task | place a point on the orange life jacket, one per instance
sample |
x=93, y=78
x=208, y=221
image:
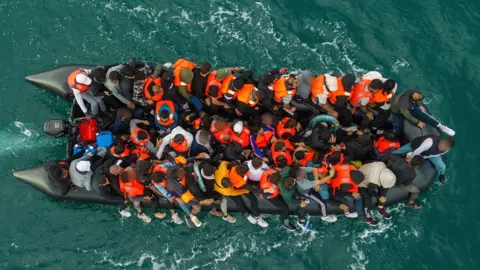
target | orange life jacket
x=280, y=90
x=263, y=140
x=308, y=157
x=317, y=88
x=134, y=139
x=211, y=81
x=148, y=92
x=343, y=177
x=159, y=105
x=226, y=87
x=281, y=129
x=177, y=68
x=265, y=184
x=132, y=188
x=245, y=95
x=244, y=138
x=287, y=154
x=180, y=147
x=125, y=152
x=72, y=81
x=222, y=136
x=332, y=97
x=237, y=180
x=381, y=97
x=142, y=155
x=361, y=91
x=382, y=144
x=163, y=169
x=342, y=157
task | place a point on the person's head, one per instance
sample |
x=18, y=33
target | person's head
x=274, y=178
x=280, y=146
x=164, y=116
x=267, y=118
x=291, y=123
x=416, y=97
x=83, y=166
x=179, y=173
x=119, y=148
x=259, y=95
x=289, y=183
x=238, y=83
x=256, y=129
x=157, y=177
x=178, y=138
x=208, y=170
x=389, y=86
x=157, y=89
x=189, y=117
x=445, y=144
x=292, y=81
x=142, y=135
x=99, y=75
x=237, y=148
x=114, y=76
x=186, y=75
x=203, y=136
x=297, y=172
x=128, y=71
x=125, y=177
x=391, y=136
x=334, y=158
x=144, y=167
x=167, y=78
x=242, y=169
x=299, y=155
x=281, y=162
x=268, y=79
x=115, y=170
x=222, y=74
x=417, y=161
x=309, y=77
x=257, y=163
x=226, y=183
x=220, y=125
x=363, y=140
x=348, y=82
x=375, y=85
x=357, y=176
x=60, y=172
x=237, y=126
x=387, y=178
x=205, y=68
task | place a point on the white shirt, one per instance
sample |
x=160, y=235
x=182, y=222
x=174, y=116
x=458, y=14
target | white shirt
x=254, y=174
x=168, y=139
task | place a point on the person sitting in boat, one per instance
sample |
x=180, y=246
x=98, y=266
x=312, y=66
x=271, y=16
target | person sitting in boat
x=183, y=82
x=324, y=88
x=133, y=191
x=105, y=180
x=339, y=99
x=408, y=105
x=362, y=96
x=360, y=149
x=260, y=140
x=431, y=147
x=221, y=131
x=179, y=141
x=141, y=137
x=166, y=117
x=80, y=172
x=119, y=151
x=304, y=88
x=79, y=82
x=281, y=153
x=121, y=125
x=235, y=152
x=201, y=144
x=404, y=170
x=213, y=91
x=378, y=180
x=247, y=101
x=288, y=128
x=386, y=144
x=304, y=156
x=241, y=133
x=200, y=79
x=284, y=90
x=119, y=85
x=59, y=177
x=270, y=192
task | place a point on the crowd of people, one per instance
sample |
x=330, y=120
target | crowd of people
x=191, y=136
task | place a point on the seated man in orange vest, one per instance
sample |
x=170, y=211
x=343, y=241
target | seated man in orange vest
x=165, y=115
x=141, y=137
x=247, y=101
x=362, y=96
x=178, y=141
x=284, y=90
x=217, y=86
x=133, y=191
x=79, y=82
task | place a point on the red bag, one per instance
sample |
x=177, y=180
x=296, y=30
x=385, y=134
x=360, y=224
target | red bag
x=87, y=130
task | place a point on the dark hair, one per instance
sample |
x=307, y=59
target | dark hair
x=119, y=148
x=260, y=95
x=274, y=177
x=376, y=84
x=242, y=169
x=99, y=74
x=450, y=141
x=205, y=67
x=294, y=170
x=389, y=85
x=418, y=92
x=348, y=81
x=237, y=148
x=114, y=76
x=158, y=176
x=178, y=138
x=417, y=161
x=255, y=128
x=363, y=140
x=238, y=83
x=268, y=79
x=164, y=114
x=208, y=169
x=226, y=183
x=279, y=145
x=257, y=163
x=124, y=177
x=168, y=77
x=291, y=123
x=391, y=136
x=142, y=135
x=281, y=162
x=334, y=158
x=289, y=182
x=128, y=71
x=300, y=154
x=291, y=81
x=57, y=172
x=191, y=115
x=206, y=121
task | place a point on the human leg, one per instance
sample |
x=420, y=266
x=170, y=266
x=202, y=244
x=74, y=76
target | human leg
x=91, y=100
x=282, y=205
x=397, y=121
x=439, y=164
x=407, y=148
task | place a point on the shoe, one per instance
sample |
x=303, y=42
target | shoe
x=176, y=219
x=168, y=65
x=384, y=214
x=305, y=225
x=160, y=215
x=189, y=222
x=369, y=220
x=380, y=132
x=196, y=221
x=216, y=213
x=252, y=219
x=261, y=222
x=289, y=227
x=144, y=217
x=441, y=179
x=125, y=213
x=450, y=132
x=414, y=206
x=229, y=219
x=330, y=218
x=351, y=215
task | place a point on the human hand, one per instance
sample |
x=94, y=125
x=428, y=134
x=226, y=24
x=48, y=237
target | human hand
x=130, y=105
x=238, y=112
x=370, y=115
x=420, y=124
x=88, y=115
x=356, y=195
x=303, y=204
x=334, y=114
x=382, y=199
x=333, y=139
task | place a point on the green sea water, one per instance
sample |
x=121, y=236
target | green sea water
x=430, y=45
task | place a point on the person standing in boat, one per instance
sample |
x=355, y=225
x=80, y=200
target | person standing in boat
x=79, y=82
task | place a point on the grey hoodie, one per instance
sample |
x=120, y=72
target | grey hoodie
x=80, y=179
x=115, y=88
x=304, y=88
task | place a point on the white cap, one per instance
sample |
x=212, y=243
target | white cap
x=83, y=79
x=83, y=166
x=238, y=127
x=387, y=178
x=331, y=83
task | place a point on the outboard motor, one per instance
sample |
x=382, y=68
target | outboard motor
x=57, y=128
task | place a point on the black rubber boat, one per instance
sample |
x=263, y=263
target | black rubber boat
x=54, y=80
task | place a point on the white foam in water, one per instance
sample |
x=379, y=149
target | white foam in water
x=401, y=63
x=23, y=129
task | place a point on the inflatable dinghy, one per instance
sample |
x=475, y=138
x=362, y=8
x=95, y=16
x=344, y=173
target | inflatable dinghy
x=54, y=80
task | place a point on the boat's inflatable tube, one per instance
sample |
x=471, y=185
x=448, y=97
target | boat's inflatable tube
x=332, y=121
x=54, y=80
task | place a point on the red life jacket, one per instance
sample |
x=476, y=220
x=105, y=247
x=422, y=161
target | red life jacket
x=280, y=90
x=196, y=123
x=287, y=154
x=382, y=145
x=343, y=177
x=158, y=108
x=265, y=184
x=177, y=68
x=148, y=92
x=361, y=91
x=211, y=81
x=282, y=130
x=125, y=152
x=163, y=169
x=332, y=98
x=180, y=147
x=135, y=140
x=132, y=188
x=263, y=140
x=237, y=180
x=222, y=136
x=72, y=81
x=243, y=139
x=142, y=155
x=308, y=157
